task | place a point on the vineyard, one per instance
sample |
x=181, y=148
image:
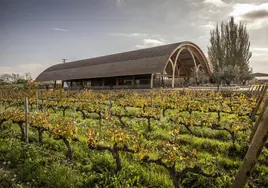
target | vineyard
x=159, y=138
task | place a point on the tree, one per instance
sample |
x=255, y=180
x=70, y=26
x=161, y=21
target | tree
x=11, y=79
x=229, y=53
x=198, y=75
x=6, y=78
x=245, y=75
x=15, y=77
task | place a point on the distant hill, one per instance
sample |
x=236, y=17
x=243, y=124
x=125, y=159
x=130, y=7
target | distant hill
x=259, y=74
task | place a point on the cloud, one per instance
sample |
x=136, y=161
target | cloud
x=259, y=59
x=255, y=16
x=204, y=37
x=207, y=27
x=217, y=3
x=120, y=2
x=59, y=29
x=261, y=50
x=243, y=10
x=259, y=53
x=128, y=34
x=149, y=42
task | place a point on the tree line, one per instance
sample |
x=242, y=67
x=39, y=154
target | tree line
x=6, y=79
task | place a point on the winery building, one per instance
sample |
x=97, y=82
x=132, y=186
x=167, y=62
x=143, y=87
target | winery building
x=162, y=66
x=260, y=78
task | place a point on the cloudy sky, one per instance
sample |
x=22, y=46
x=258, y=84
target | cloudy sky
x=35, y=34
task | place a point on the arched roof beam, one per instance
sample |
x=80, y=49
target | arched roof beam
x=195, y=50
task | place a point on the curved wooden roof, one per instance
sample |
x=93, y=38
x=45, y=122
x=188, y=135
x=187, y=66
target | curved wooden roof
x=138, y=62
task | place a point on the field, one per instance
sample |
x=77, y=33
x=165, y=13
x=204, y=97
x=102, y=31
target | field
x=127, y=139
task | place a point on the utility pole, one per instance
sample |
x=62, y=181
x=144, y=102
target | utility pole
x=64, y=60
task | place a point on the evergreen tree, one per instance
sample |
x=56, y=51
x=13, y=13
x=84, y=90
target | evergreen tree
x=229, y=53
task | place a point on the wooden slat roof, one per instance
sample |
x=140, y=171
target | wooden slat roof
x=144, y=61
x=259, y=74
